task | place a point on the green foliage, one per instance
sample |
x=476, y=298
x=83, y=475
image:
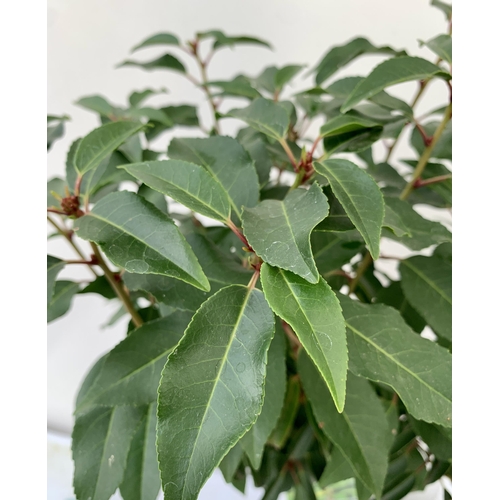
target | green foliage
x=269, y=341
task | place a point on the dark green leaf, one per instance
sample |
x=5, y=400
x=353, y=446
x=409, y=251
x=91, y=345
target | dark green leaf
x=100, y=456
x=231, y=461
x=279, y=231
x=166, y=61
x=135, y=235
x=213, y=380
x=304, y=489
x=360, y=431
x=100, y=286
x=383, y=348
x=154, y=197
x=226, y=160
x=60, y=301
x=426, y=282
x=240, y=86
x=135, y=98
x=100, y=105
x=266, y=116
x=186, y=183
x=441, y=46
x=314, y=313
x=391, y=72
x=183, y=115
x=132, y=149
x=438, y=438
x=360, y=197
x=54, y=266
x=331, y=251
x=337, y=469
x=255, y=143
x=343, y=124
x=158, y=39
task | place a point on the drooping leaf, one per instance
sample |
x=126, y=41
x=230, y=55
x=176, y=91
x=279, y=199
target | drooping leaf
x=186, y=183
x=360, y=432
x=166, y=61
x=383, y=348
x=60, y=301
x=213, y=380
x=444, y=7
x=54, y=266
x=131, y=371
x=101, y=142
x=266, y=116
x=55, y=131
x=390, y=72
x=227, y=161
x=360, y=197
x=426, y=282
x=135, y=235
x=158, y=39
x=441, y=45
x=255, y=143
x=279, y=231
x=254, y=440
x=100, y=456
x=314, y=313
x=183, y=116
x=154, y=197
x=443, y=147
x=141, y=480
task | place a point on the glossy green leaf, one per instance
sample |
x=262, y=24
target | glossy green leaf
x=443, y=147
x=186, y=183
x=266, y=116
x=211, y=390
x=60, y=301
x=391, y=72
x=254, y=440
x=141, y=480
x=441, y=45
x=135, y=235
x=279, y=231
x=101, y=142
x=360, y=432
x=426, y=282
x=227, y=161
x=158, y=39
x=255, y=143
x=131, y=371
x=100, y=442
x=360, y=197
x=166, y=61
x=383, y=348
x=346, y=123
x=341, y=55
x=313, y=311
x=54, y=267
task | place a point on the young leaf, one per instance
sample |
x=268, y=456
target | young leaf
x=141, y=480
x=391, y=72
x=314, y=313
x=342, y=55
x=101, y=142
x=254, y=440
x=213, y=380
x=266, y=116
x=441, y=46
x=166, y=61
x=226, y=160
x=426, y=282
x=279, y=231
x=383, y=348
x=60, y=302
x=360, y=432
x=100, y=456
x=158, y=39
x=131, y=371
x=186, y=183
x=135, y=235
x=360, y=197
x=54, y=266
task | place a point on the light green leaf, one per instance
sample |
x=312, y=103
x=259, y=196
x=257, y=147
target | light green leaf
x=158, y=39
x=131, y=371
x=141, y=480
x=166, y=61
x=383, y=348
x=186, y=183
x=227, y=161
x=360, y=432
x=101, y=142
x=279, y=231
x=254, y=440
x=426, y=282
x=441, y=45
x=136, y=236
x=100, y=443
x=314, y=313
x=391, y=72
x=266, y=116
x=213, y=380
x=360, y=197
x=54, y=266
x=60, y=302
x=340, y=56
